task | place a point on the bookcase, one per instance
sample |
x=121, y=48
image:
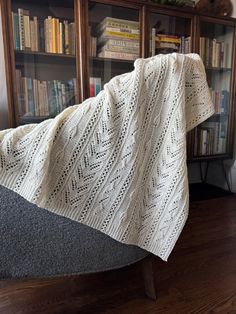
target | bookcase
x=61, y=52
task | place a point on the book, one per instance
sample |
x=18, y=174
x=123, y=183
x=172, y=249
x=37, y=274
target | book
x=224, y=102
x=26, y=24
x=118, y=23
x=97, y=85
x=16, y=31
x=50, y=35
x=168, y=38
x=119, y=29
x=116, y=34
x=91, y=87
x=21, y=28
x=115, y=48
x=118, y=55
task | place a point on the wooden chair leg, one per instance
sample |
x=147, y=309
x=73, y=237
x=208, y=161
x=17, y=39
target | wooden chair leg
x=149, y=277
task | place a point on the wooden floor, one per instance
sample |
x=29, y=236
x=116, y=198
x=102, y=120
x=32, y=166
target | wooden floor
x=200, y=276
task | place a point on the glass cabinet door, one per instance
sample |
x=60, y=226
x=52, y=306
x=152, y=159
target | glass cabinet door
x=215, y=48
x=45, y=62
x=169, y=34
x=114, y=43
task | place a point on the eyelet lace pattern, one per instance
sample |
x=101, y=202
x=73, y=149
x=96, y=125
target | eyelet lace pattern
x=117, y=162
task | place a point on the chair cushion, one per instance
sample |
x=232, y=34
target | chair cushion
x=37, y=243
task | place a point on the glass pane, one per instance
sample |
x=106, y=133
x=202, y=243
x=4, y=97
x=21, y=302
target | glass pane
x=169, y=34
x=216, y=51
x=114, y=43
x=44, y=42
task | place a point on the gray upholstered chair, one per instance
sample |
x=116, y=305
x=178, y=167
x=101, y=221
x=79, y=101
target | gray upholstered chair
x=37, y=243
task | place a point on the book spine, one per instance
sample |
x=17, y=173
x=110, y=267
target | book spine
x=76, y=89
x=118, y=23
x=60, y=103
x=120, y=49
x=91, y=87
x=119, y=29
x=63, y=94
x=57, y=36
x=36, y=97
x=46, y=102
x=16, y=34
x=73, y=38
x=153, y=44
x=21, y=29
x=50, y=34
x=32, y=36
x=97, y=85
x=168, y=45
x=42, y=33
x=66, y=37
x=123, y=43
x=213, y=53
x=36, y=31
x=20, y=94
x=218, y=54
x=119, y=35
x=53, y=26
x=27, y=29
x=118, y=55
x=46, y=35
x=31, y=106
x=63, y=38
x=203, y=49
x=60, y=38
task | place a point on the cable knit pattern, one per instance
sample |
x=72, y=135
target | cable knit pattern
x=117, y=162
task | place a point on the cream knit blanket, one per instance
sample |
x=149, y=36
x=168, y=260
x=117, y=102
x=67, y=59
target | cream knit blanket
x=117, y=162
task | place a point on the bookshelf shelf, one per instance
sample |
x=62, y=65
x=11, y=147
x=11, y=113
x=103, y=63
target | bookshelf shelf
x=45, y=54
x=93, y=33
x=102, y=60
x=27, y=120
x=37, y=58
x=218, y=69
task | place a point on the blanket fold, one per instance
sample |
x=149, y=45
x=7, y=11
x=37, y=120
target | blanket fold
x=117, y=162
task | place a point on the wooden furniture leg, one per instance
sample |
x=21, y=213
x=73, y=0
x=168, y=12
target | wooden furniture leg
x=149, y=277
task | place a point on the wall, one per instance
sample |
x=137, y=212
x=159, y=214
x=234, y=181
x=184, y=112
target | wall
x=3, y=88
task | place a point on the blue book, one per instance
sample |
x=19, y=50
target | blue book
x=97, y=85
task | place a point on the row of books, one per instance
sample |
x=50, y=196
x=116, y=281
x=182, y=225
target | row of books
x=165, y=43
x=95, y=86
x=210, y=138
x=220, y=100
x=38, y=98
x=213, y=52
x=45, y=35
x=118, y=39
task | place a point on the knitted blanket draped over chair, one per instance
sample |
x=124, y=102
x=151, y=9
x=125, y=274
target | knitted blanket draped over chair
x=117, y=162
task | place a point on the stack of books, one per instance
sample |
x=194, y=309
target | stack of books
x=118, y=39
x=165, y=43
x=44, y=98
x=211, y=138
x=45, y=35
x=213, y=52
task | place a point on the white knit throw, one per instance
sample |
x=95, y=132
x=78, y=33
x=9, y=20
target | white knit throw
x=117, y=162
